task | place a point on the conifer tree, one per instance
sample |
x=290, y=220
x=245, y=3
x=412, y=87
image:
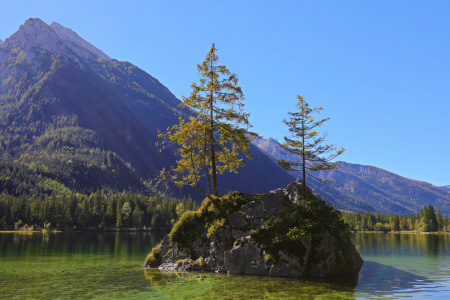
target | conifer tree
x=306, y=144
x=211, y=139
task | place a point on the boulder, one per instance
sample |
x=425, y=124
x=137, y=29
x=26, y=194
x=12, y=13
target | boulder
x=253, y=210
x=295, y=192
x=273, y=202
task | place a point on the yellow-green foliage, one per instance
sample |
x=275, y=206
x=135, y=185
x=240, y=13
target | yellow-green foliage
x=186, y=229
x=179, y=262
x=201, y=261
x=211, y=216
x=215, y=208
x=212, y=229
x=219, y=124
x=154, y=257
x=269, y=258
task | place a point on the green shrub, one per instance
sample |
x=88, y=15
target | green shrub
x=153, y=259
x=295, y=222
x=215, y=208
x=186, y=229
x=201, y=262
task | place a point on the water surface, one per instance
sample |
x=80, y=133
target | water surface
x=108, y=266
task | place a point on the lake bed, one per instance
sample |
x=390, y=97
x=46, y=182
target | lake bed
x=89, y=265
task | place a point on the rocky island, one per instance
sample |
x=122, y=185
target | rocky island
x=276, y=234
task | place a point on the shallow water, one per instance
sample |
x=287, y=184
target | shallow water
x=108, y=266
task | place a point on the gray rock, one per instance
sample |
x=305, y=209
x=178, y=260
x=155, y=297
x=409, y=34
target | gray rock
x=295, y=192
x=253, y=210
x=273, y=202
x=239, y=259
x=237, y=220
x=255, y=223
x=288, y=267
x=238, y=233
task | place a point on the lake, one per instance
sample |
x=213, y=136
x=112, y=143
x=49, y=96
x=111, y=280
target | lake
x=88, y=265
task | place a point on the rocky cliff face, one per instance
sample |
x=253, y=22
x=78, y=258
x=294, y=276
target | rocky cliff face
x=277, y=234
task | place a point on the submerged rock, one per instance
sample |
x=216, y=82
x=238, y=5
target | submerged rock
x=278, y=234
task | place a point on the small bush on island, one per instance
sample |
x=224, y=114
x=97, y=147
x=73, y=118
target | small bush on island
x=154, y=257
x=211, y=216
x=309, y=218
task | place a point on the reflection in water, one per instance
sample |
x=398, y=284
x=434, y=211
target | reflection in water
x=406, y=244
x=88, y=265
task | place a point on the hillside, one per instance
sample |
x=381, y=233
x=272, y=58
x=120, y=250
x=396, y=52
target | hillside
x=365, y=187
x=445, y=188
x=70, y=112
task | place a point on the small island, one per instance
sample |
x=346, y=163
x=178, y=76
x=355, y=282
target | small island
x=277, y=234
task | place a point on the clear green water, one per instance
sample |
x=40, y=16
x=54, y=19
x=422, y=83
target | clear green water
x=108, y=266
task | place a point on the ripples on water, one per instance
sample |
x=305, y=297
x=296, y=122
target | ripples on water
x=107, y=266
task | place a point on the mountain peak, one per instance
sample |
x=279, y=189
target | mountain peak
x=35, y=35
x=71, y=36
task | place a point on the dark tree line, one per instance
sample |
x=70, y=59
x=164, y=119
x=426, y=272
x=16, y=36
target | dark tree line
x=98, y=210
x=426, y=220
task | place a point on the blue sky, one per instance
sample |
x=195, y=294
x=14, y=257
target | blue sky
x=380, y=69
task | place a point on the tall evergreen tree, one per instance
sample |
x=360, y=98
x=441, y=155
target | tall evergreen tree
x=209, y=142
x=304, y=142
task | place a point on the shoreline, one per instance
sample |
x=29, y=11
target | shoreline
x=84, y=230
x=403, y=232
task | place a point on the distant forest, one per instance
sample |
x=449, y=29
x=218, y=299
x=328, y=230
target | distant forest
x=426, y=220
x=97, y=211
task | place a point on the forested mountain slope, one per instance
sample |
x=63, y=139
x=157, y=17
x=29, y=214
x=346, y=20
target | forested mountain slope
x=70, y=113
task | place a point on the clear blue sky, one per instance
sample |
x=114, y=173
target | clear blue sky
x=380, y=69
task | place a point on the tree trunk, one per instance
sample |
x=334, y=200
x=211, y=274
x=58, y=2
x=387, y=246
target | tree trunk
x=303, y=158
x=213, y=153
x=213, y=161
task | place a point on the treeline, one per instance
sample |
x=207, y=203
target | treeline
x=426, y=220
x=96, y=211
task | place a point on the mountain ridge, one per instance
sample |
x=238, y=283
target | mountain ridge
x=445, y=188
x=382, y=190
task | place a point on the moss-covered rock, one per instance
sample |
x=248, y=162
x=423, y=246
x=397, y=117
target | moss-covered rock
x=277, y=234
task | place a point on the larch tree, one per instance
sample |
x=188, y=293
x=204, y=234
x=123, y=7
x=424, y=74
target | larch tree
x=212, y=139
x=306, y=144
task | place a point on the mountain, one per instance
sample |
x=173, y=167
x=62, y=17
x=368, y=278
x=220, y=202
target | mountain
x=445, y=188
x=368, y=186
x=329, y=193
x=1, y=42
x=71, y=114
